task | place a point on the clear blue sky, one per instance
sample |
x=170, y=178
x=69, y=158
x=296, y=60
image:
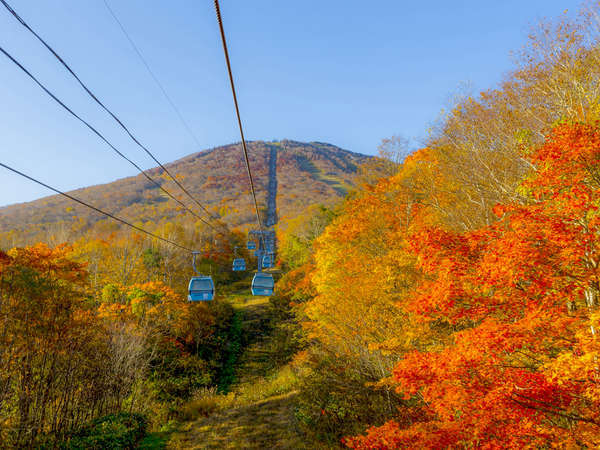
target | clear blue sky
x=346, y=72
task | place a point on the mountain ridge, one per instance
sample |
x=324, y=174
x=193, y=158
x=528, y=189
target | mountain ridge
x=307, y=173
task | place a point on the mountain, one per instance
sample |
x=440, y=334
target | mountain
x=298, y=174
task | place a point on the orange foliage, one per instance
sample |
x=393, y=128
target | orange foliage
x=520, y=298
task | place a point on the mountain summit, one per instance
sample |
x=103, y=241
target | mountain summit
x=301, y=174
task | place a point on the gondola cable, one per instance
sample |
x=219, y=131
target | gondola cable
x=262, y=283
x=81, y=202
x=102, y=105
x=237, y=111
x=97, y=133
x=153, y=76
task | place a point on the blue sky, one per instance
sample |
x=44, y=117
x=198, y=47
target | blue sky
x=346, y=72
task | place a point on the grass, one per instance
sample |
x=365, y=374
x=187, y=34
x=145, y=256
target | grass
x=333, y=181
x=262, y=424
x=154, y=441
x=158, y=440
x=227, y=375
x=259, y=410
x=210, y=401
x=284, y=381
x=204, y=403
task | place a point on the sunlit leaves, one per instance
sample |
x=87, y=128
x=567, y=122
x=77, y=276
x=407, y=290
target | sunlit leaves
x=520, y=298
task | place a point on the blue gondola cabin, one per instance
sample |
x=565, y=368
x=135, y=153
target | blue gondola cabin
x=201, y=289
x=262, y=284
x=239, y=264
x=267, y=261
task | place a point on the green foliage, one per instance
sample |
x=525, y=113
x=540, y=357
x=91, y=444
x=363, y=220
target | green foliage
x=216, y=345
x=152, y=259
x=138, y=293
x=287, y=337
x=336, y=400
x=153, y=441
x=176, y=376
x=227, y=373
x=157, y=440
x=115, y=431
x=181, y=369
x=296, y=242
x=110, y=293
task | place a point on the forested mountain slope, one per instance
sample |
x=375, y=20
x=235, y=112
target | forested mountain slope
x=307, y=173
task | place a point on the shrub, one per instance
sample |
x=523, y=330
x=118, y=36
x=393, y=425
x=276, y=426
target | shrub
x=115, y=431
x=205, y=402
x=336, y=400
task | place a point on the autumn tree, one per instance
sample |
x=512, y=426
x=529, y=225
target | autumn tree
x=53, y=349
x=520, y=298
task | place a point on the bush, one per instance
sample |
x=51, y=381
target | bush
x=115, y=431
x=281, y=382
x=336, y=400
x=205, y=402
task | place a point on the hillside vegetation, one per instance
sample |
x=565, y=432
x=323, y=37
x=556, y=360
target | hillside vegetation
x=307, y=173
x=99, y=344
x=455, y=303
x=451, y=300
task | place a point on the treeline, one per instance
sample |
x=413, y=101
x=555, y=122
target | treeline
x=454, y=304
x=101, y=330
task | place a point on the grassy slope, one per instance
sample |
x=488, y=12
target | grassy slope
x=263, y=424
x=258, y=412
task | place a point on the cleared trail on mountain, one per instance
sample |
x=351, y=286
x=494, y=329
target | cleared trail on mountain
x=272, y=189
x=261, y=410
x=256, y=409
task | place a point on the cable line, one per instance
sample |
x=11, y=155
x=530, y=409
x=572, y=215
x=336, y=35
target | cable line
x=237, y=111
x=81, y=202
x=97, y=133
x=93, y=96
x=154, y=77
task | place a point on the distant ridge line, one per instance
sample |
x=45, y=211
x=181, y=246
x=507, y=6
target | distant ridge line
x=215, y=173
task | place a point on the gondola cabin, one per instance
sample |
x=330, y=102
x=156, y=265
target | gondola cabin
x=239, y=264
x=267, y=261
x=201, y=289
x=263, y=284
x=251, y=245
